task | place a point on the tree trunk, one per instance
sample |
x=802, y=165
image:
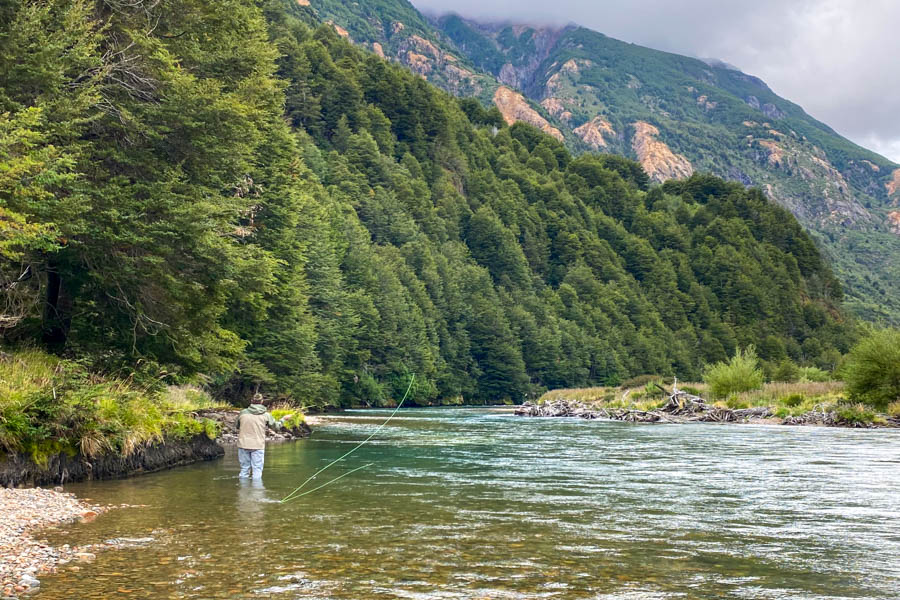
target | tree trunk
x=57, y=312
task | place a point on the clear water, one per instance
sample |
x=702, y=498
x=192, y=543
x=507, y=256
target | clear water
x=476, y=503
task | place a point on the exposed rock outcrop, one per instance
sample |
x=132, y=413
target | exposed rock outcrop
x=834, y=200
x=656, y=157
x=768, y=109
x=340, y=30
x=774, y=152
x=893, y=220
x=893, y=186
x=418, y=63
x=556, y=108
x=508, y=75
x=428, y=60
x=871, y=165
x=514, y=107
x=772, y=111
x=595, y=132
x=705, y=103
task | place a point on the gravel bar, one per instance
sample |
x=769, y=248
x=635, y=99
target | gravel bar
x=23, y=559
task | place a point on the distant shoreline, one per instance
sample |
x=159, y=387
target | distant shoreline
x=793, y=408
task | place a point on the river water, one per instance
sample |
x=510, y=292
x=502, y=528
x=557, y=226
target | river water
x=477, y=503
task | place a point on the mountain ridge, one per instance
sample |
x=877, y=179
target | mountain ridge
x=607, y=95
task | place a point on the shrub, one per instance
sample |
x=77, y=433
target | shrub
x=793, y=400
x=640, y=381
x=855, y=414
x=786, y=371
x=893, y=409
x=814, y=374
x=740, y=374
x=654, y=390
x=872, y=370
x=293, y=418
x=735, y=402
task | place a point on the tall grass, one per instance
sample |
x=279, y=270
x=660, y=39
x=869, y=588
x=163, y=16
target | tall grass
x=48, y=405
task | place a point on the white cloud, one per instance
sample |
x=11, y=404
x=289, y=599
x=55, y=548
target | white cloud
x=835, y=58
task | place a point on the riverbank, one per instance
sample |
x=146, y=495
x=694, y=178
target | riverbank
x=17, y=470
x=21, y=470
x=60, y=422
x=23, y=557
x=785, y=404
x=297, y=425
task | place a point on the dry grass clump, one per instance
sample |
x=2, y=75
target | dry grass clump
x=893, y=409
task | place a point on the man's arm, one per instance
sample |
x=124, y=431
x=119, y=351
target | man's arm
x=271, y=422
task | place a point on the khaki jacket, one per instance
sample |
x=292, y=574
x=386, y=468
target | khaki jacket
x=251, y=424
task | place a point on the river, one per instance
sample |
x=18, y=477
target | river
x=477, y=503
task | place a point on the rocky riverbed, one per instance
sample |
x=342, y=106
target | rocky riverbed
x=23, y=556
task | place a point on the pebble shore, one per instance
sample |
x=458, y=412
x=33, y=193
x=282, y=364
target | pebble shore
x=23, y=559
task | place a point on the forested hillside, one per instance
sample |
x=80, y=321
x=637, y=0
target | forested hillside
x=217, y=192
x=674, y=114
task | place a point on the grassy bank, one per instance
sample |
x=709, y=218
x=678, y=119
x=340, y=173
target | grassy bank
x=50, y=406
x=785, y=400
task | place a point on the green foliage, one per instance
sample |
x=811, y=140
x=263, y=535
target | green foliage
x=813, y=374
x=740, y=374
x=262, y=206
x=48, y=406
x=291, y=418
x=640, y=381
x=793, y=400
x=786, y=371
x=872, y=369
x=856, y=414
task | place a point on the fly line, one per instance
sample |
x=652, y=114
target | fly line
x=296, y=493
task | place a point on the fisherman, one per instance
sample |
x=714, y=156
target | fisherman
x=251, y=424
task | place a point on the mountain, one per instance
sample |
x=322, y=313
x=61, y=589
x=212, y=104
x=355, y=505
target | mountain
x=235, y=198
x=674, y=114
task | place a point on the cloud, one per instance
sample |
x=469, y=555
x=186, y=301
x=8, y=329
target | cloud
x=835, y=58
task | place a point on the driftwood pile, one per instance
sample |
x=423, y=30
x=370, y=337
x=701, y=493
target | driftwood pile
x=681, y=407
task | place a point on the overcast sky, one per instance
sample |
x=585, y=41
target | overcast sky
x=838, y=59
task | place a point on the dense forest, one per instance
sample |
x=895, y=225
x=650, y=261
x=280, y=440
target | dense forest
x=219, y=192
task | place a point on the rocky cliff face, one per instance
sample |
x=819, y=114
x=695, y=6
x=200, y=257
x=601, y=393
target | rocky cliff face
x=894, y=221
x=893, y=187
x=656, y=157
x=514, y=108
x=828, y=198
x=596, y=132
